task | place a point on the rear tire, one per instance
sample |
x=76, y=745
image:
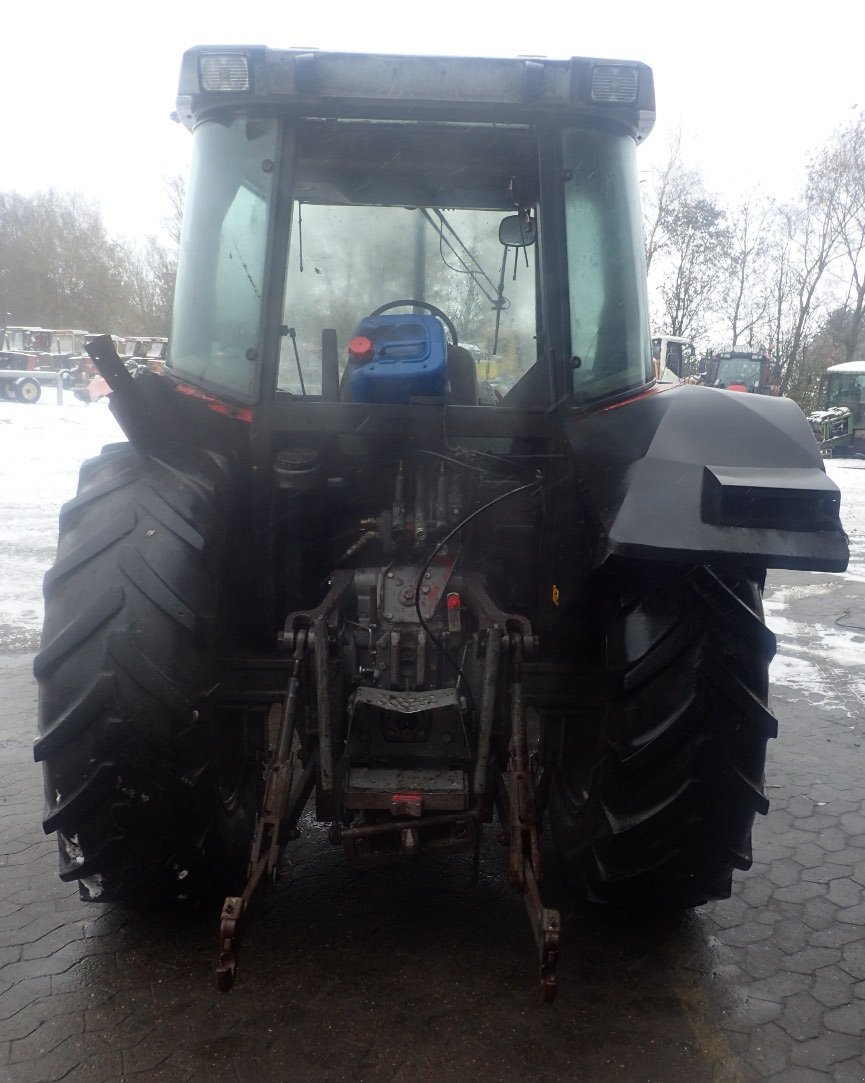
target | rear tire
x=130, y=748
x=655, y=809
x=28, y=389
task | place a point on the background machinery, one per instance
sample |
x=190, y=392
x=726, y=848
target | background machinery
x=839, y=425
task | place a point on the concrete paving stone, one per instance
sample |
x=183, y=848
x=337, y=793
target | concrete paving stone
x=848, y=1019
x=793, y=837
x=810, y=960
x=167, y=1073
x=19, y=1026
x=853, y=915
x=731, y=975
x=750, y=1012
x=818, y=914
x=825, y=1051
x=85, y=972
x=784, y=872
x=799, y=806
x=9, y=953
x=755, y=891
x=850, y=1071
x=789, y=934
x=68, y=902
x=817, y=823
x=728, y=912
x=802, y=1017
x=760, y=960
x=24, y=859
x=35, y=925
x=850, y=855
x=832, y=839
x=68, y=1063
x=799, y=892
x=769, y=846
x=746, y=932
x=778, y=985
x=11, y=848
x=845, y=892
x=21, y=995
x=832, y=987
x=59, y=1003
x=766, y=916
x=178, y=1065
x=7, y=909
x=853, y=958
x=825, y=872
x=858, y=873
x=56, y=963
x=853, y=823
x=47, y=1036
x=52, y=942
x=151, y=1054
x=800, y=1075
x=768, y=1050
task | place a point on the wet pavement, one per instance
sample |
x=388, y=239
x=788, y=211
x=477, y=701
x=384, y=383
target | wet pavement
x=426, y=975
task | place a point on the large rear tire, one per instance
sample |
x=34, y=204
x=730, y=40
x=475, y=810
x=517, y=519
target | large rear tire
x=655, y=808
x=134, y=759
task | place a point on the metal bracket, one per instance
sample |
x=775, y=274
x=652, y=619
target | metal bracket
x=524, y=872
x=280, y=808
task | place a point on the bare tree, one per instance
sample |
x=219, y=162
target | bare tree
x=746, y=295
x=845, y=156
x=662, y=192
x=686, y=244
x=61, y=267
x=815, y=243
x=698, y=240
x=175, y=189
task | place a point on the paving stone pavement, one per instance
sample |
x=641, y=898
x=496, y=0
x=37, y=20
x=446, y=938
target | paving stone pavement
x=421, y=976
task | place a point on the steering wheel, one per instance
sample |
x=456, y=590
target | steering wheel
x=421, y=304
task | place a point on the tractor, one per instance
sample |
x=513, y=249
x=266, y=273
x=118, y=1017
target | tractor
x=333, y=570
x=744, y=370
x=839, y=424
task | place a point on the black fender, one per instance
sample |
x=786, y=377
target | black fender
x=696, y=473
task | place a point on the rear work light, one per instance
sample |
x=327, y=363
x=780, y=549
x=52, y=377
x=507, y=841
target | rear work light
x=223, y=72
x=614, y=83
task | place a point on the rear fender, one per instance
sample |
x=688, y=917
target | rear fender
x=696, y=473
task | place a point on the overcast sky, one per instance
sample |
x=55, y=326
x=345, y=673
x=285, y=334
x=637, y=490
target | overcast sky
x=88, y=87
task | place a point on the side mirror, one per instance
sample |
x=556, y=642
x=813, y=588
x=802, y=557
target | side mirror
x=518, y=231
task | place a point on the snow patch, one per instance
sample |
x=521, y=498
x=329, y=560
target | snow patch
x=92, y=887
x=71, y=848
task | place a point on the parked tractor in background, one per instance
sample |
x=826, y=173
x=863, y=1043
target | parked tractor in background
x=19, y=356
x=743, y=370
x=337, y=568
x=839, y=425
x=674, y=360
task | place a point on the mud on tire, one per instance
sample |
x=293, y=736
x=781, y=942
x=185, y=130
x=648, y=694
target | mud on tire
x=129, y=749
x=655, y=809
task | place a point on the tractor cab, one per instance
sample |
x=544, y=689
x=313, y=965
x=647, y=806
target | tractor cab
x=318, y=199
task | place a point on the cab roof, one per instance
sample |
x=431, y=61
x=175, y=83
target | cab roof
x=372, y=86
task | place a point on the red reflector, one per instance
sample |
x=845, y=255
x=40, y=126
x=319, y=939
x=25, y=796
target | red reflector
x=453, y=601
x=736, y=387
x=360, y=349
x=406, y=804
